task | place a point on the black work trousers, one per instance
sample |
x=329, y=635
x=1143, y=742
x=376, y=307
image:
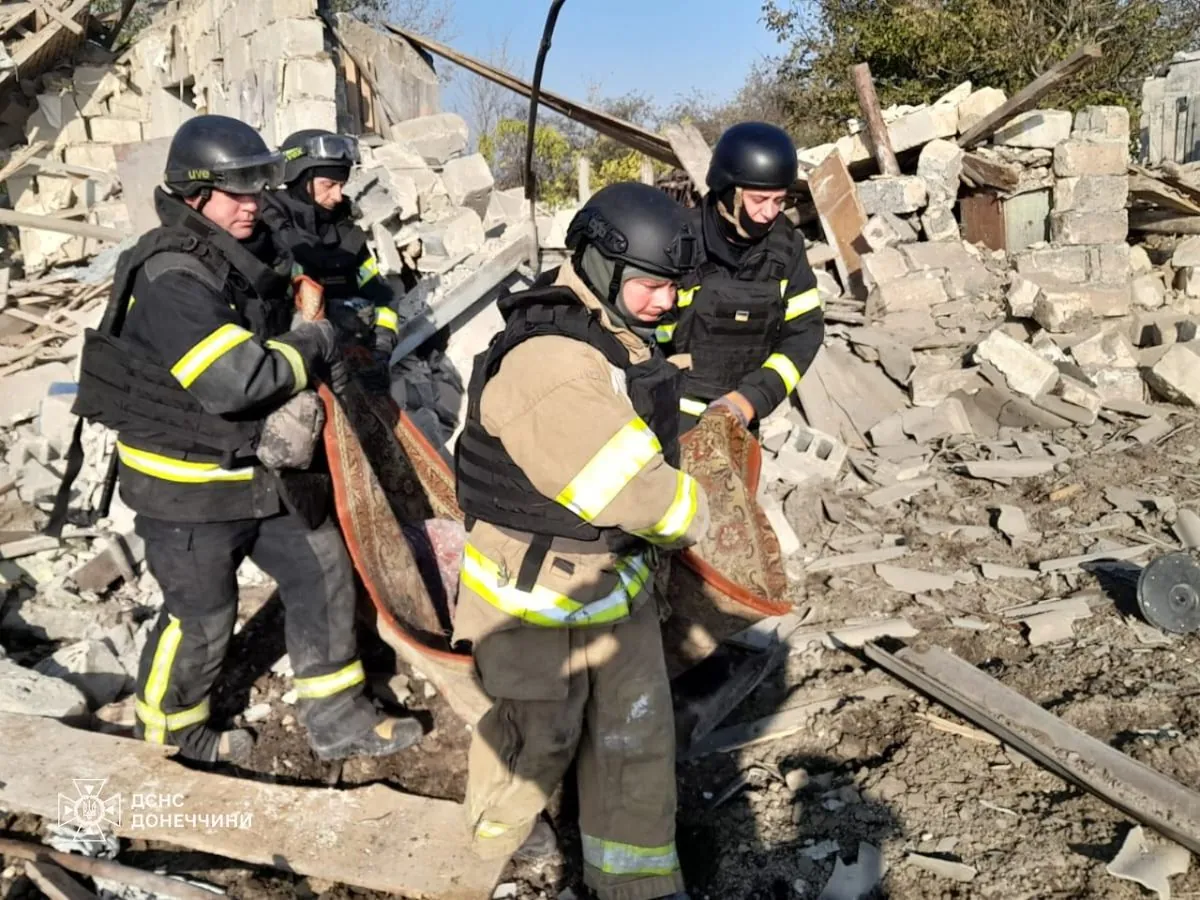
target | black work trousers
x=196, y=566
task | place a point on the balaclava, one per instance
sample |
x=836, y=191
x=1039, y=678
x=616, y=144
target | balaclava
x=597, y=272
x=738, y=227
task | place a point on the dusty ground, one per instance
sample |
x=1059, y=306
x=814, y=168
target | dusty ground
x=876, y=770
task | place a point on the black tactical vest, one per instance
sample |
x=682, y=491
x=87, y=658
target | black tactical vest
x=123, y=389
x=733, y=320
x=490, y=485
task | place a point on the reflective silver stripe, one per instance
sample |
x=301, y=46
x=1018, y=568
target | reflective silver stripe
x=605, y=475
x=615, y=858
x=802, y=303
x=196, y=361
x=295, y=361
x=542, y=606
x=692, y=407
x=785, y=369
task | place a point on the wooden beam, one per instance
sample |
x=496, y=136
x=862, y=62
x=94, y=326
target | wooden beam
x=1030, y=94
x=29, y=47
x=64, y=226
x=991, y=173
x=693, y=152
x=102, y=868
x=1156, y=192
x=55, y=883
x=1154, y=221
x=632, y=136
x=20, y=159
x=881, y=141
x=371, y=837
x=1139, y=791
x=50, y=10
x=842, y=218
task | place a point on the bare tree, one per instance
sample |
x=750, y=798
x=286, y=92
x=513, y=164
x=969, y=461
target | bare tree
x=430, y=18
x=485, y=103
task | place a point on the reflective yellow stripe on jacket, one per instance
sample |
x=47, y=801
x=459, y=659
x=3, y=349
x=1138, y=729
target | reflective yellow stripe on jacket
x=180, y=471
x=386, y=317
x=148, y=708
x=800, y=303
x=692, y=407
x=615, y=858
x=606, y=474
x=196, y=361
x=542, y=606
x=676, y=520
x=685, y=296
x=295, y=360
x=665, y=333
x=320, y=686
x=785, y=369
x=368, y=270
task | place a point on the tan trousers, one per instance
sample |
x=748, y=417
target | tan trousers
x=597, y=695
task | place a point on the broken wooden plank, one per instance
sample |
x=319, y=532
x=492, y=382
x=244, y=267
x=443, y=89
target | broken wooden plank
x=693, y=151
x=974, y=734
x=1067, y=563
x=56, y=883
x=65, y=226
x=20, y=159
x=863, y=558
x=54, y=13
x=984, y=172
x=159, y=885
x=1149, y=189
x=842, y=219
x=868, y=102
x=373, y=837
x=995, y=469
x=1137, y=790
x=1029, y=95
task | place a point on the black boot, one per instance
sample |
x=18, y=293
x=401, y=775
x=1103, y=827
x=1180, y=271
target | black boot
x=390, y=735
x=206, y=745
x=540, y=846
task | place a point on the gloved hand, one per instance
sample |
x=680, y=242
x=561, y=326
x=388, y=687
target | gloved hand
x=736, y=404
x=385, y=343
x=290, y=434
x=316, y=342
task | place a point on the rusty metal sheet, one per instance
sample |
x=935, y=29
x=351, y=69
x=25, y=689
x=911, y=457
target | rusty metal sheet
x=983, y=219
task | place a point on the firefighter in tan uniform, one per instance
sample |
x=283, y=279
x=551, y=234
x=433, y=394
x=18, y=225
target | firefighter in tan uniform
x=567, y=472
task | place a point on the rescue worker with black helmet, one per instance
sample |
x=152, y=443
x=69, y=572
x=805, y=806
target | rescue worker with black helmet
x=210, y=387
x=311, y=218
x=749, y=314
x=567, y=471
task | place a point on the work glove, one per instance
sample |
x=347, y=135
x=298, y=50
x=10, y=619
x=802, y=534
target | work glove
x=316, y=342
x=290, y=434
x=385, y=343
x=736, y=404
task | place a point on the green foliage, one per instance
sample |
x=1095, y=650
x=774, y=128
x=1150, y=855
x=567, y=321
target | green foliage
x=553, y=159
x=918, y=49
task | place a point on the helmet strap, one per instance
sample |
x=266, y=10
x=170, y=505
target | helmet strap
x=205, y=195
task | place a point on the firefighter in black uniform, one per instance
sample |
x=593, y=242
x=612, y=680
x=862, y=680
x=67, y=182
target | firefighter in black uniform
x=313, y=221
x=199, y=370
x=749, y=315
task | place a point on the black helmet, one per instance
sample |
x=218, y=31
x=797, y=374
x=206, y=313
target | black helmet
x=314, y=148
x=638, y=225
x=219, y=152
x=752, y=155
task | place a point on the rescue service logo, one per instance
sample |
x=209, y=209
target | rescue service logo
x=89, y=812
x=92, y=816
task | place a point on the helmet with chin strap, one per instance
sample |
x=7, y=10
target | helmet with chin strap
x=220, y=153
x=314, y=152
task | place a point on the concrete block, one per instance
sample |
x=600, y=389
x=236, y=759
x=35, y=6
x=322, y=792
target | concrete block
x=1187, y=253
x=919, y=291
x=469, y=182
x=811, y=455
x=1110, y=263
x=1106, y=348
x=1025, y=372
x=1078, y=393
x=1073, y=158
x=922, y=126
x=92, y=667
x=978, y=106
x=23, y=391
x=115, y=131
x=895, y=194
x=939, y=224
x=1176, y=377
x=30, y=693
x=940, y=164
x=1022, y=295
x=1068, y=264
x=314, y=79
x=1045, y=128
x=295, y=115
x=437, y=138
x=883, y=266
x=457, y=233
x=827, y=285
x=1149, y=291
x=929, y=387
x=555, y=237
x=1188, y=281
x=1102, y=123
x=887, y=230
x=56, y=192
x=1139, y=260
x=1069, y=411
x=1063, y=307
x=925, y=424
x=93, y=156
x=287, y=39
x=1089, y=227
x=55, y=421
x=506, y=206
x=1090, y=193
x=94, y=85
x=1114, y=383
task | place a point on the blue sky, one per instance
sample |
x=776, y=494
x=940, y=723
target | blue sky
x=659, y=47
